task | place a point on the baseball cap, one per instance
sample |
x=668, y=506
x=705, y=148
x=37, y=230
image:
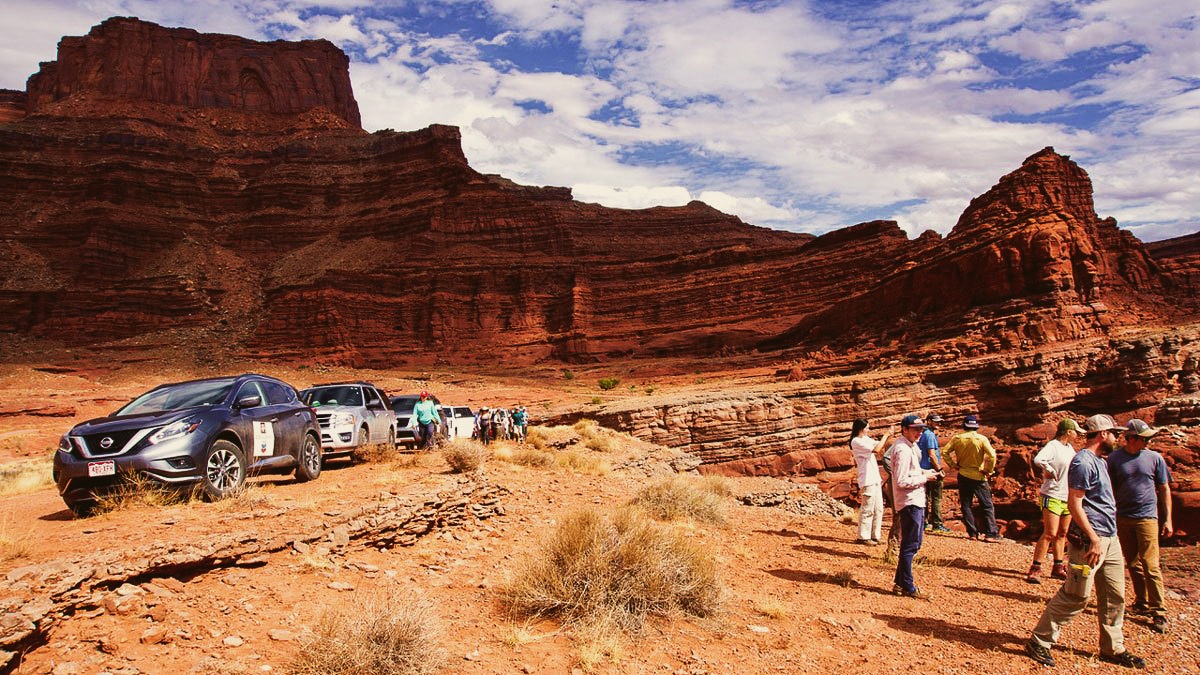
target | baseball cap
x=1067, y=424
x=912, y=421
x=424, y=394
x=971, y=421
x=1136, y=427
x=1101, y=423
x=935, y=418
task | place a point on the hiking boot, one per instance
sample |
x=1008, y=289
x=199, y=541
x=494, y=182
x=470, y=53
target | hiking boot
x=1039, y=653
x=1125, y=660
x=1035, y=571
x=1159, y=624
x=1140, y=609
x=1059, y=571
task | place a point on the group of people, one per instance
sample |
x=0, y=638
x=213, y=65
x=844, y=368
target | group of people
x=1104, y=507
x=501, y=424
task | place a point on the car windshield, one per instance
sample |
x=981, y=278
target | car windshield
x=405, y=404
x=347, y=395
x=179, y=396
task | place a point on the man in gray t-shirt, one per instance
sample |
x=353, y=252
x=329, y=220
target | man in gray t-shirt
x=1093, y=552
x=1141, y=483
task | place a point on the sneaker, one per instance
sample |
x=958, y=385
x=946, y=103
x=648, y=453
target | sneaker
x=990, y=539
x=1035, y=571
x=1125, y=660
x=916, y=593
x=1159, y=624
x=1039, y=653
x=874, y=542
x=942, y=529
x=1140, y=609
x=1059, y=571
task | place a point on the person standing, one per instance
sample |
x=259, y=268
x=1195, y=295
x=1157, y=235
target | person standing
x=1053, y=459
x=425, y=414
x=483, y=426
x=520, y=419
x=870, y=484
x=1141, y=484
x=1094, y=554
x=931, y=459
x=908, y=490
x=975, y=459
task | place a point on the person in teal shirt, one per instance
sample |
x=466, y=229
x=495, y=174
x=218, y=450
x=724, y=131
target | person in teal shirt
x=425, y=413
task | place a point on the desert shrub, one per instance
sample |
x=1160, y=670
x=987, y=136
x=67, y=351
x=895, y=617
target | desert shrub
x=608, y=383
x=464, y=455
x=682, y=497
x=385, y=634
x=374, y=453
x=247, y=498
x=596, y=400
x=599, y=443
x=137, y=490
x=594, y=571
x=568, y=375
x=582, y=462
x=532, y=457
x=25, y=476
x=14, y=545
x=586, y=428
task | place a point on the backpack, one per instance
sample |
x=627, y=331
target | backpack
x=887, y=458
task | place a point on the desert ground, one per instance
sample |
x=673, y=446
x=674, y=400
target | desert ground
x=798, y=594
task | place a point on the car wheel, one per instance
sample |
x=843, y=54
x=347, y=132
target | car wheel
x=83, y=509
x=309, y=464
x=364, y=437
x=224, y=469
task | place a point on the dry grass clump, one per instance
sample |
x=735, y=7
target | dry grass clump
x=383, y=634
x=526, y=456
x=593, y=572
x=599, y=444
x=374, y=453
x=134, y=491
x=245, y=499
x=549, y=438
x=586, y=428
x=583, y=462
x=771, y=608
x=25, y=476
x=682, y=497
x=13, y=545
x=464, y=455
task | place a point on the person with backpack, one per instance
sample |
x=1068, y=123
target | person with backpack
x=973, y=455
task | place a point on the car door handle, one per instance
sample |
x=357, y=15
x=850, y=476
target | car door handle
x=274, y=419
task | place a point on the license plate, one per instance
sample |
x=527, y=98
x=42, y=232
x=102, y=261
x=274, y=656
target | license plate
x=102, y=468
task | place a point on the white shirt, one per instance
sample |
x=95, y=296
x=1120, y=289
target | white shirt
x=863, y=448
x=908, y=478
x=1054, y=459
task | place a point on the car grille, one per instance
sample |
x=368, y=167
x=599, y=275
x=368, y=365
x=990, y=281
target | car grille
x=120, y=439
x=323, y=419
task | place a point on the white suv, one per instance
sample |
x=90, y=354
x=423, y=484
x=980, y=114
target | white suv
x=351, y=415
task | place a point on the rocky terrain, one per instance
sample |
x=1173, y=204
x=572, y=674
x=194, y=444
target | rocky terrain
x=203, y=204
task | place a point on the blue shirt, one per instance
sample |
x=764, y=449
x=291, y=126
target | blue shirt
x=928, y=443
x=1090, y=474
x=1134, y=479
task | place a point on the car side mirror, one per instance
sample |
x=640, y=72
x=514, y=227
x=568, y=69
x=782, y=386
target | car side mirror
x=249, y=401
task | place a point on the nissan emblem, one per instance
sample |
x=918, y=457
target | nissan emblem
x=106, y=442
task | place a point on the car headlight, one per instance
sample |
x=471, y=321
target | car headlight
x=64, y=444
x=174, y=430
x=342, y=419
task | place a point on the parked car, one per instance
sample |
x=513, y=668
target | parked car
x=459, y=421
x=209, y=434
x=351, y=415
x=406, y=431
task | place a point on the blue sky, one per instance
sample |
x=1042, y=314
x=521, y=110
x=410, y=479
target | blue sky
x=801, y=115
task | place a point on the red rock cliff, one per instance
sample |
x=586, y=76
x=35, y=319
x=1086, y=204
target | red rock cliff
x=125, y=58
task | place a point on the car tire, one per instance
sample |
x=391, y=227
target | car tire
x=83, y=509
x=364, y=437
x=308, y=463
x=224, y=470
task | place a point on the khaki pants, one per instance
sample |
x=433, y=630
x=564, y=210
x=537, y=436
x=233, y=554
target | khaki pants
x=1139, y=541
x=1108, y=576
x=870, y=514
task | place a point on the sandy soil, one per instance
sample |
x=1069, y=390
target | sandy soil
x=801, y=595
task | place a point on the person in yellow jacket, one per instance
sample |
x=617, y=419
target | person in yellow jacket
x=975, y=458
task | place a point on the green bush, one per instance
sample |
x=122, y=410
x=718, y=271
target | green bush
x=568, y=375
x=609, y=383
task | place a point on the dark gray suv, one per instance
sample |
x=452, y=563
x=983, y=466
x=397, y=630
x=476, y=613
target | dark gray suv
x=207, y=433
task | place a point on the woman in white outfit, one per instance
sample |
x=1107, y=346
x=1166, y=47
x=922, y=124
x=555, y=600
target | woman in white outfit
x=870, y=514
x=1054, y=459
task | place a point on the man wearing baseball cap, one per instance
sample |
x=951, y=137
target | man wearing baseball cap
x=908, y=490
x=975, y=458
x=1094, y=554
x=931, y=458
x=1141, y=485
